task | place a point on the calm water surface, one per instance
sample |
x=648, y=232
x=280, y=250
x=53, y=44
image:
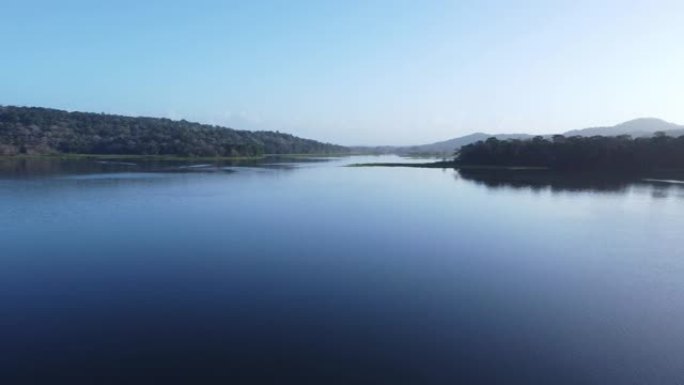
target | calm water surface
x=311, y=273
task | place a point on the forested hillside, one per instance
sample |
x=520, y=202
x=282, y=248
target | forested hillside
x=42, y=131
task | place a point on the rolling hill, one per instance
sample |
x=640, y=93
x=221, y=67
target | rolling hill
x=44, y=131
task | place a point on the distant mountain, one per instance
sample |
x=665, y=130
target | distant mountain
x=38, y=131
x=446, y=147
x=641, y=127
x=449, y=146
x=636, y=128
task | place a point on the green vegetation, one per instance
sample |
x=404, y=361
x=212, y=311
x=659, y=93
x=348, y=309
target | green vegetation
x=579, y=154
x=40, y=131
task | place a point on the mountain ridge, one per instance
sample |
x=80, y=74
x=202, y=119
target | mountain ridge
x=639, y=127
x=635, y=127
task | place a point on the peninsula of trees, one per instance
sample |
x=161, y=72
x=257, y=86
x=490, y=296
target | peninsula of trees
x=43, y=131
x=579, y=154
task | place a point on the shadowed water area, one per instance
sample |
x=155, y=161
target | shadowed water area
x=303, y=271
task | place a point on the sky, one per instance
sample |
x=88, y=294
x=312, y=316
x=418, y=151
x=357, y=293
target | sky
x=371, y=72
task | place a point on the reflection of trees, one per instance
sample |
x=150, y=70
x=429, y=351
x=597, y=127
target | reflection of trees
x=17, y=167
x=36, y=167
x=557, y=182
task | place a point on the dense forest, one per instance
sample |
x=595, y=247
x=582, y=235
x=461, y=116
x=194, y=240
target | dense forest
x=596, y=153
x=43, y=131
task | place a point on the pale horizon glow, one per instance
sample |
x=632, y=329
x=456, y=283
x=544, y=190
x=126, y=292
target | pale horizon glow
x=352, y=72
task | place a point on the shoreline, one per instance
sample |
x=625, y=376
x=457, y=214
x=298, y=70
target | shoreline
x=445, y=165
x=158, y=157
x=654, y=175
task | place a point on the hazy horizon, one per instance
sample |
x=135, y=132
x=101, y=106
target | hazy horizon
x=352, y=73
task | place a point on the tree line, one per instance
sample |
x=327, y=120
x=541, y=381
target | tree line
x=596, y=153
x=43, y=131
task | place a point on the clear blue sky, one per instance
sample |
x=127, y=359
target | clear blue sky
x=351, y=72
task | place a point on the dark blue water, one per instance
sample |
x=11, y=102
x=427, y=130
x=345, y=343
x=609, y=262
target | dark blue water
x=313, y=273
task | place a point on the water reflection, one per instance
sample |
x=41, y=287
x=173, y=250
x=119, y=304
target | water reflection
x=538, y=180
x=334, y=275
x=13, y=168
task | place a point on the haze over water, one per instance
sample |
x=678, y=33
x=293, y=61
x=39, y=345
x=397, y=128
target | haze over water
x=313, y=273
